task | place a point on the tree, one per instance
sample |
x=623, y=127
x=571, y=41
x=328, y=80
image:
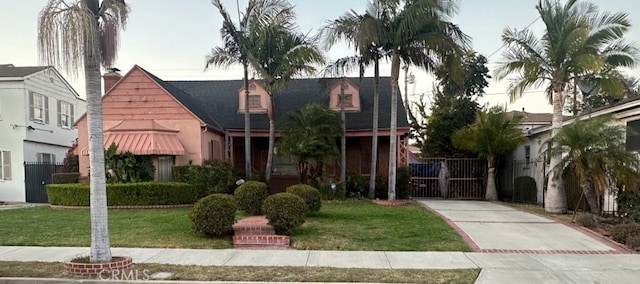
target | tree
x=460, y=82
x=361, y=31
x=239, y=43
x=579, y=43
x=493, y=133
x=594, y=151
x=415, y=32
x=85, y=33
x=308, y=138
x=282, y=55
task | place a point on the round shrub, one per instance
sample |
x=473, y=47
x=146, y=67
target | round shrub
x=250, y=196
x=586, y=220
x=633, y=242
x=285, y=212
x=214, y=215
x=310, y=194
x=525, y=189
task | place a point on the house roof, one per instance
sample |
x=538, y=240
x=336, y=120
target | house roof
x=9, y=71
x=220, y=100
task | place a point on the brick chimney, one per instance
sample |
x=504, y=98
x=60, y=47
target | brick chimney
x=111, y=78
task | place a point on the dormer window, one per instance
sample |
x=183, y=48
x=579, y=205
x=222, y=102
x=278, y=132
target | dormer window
x=347, y=92
x=258, y=98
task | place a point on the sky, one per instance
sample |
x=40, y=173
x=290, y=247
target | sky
x=170, y=38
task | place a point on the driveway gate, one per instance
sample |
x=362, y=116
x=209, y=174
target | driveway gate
x=449, y=178
x=36, y=177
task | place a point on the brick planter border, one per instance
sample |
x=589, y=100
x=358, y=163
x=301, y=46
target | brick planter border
x=126, y=206
x=94, y=269
x=392, y=203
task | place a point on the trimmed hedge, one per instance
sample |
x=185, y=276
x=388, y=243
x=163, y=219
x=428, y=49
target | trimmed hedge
x=213, y=176
x=214, y=215
x=285, y=212
x=65, y=178
x=310, y=194
x=250, y=196
x=121, y=194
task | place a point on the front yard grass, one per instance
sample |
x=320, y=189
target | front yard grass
x=352, y=225
x=271, y=274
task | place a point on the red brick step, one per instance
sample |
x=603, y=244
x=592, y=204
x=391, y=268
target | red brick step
x=254, y=233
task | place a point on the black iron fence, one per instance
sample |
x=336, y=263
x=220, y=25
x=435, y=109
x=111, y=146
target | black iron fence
x=449, y=178
x=36, y=177
x=516, y=180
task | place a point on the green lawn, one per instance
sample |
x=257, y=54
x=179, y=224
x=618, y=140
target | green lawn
x=363, y=225
x=358, y=225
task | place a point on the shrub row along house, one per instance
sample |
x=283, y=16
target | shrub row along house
x=37, y=111
x=181, y=122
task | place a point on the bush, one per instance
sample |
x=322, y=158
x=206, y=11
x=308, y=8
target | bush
x=285, y=212
x=329, y=193
x=621, y=232
x=524, y=189
x=214, y=215
x=310, y=194
x=382, y=190
x=629, y=204
x=213, y=176
x=64, y=178
x=125, y=194
x=356, y=185
x=250, y=196
x=586, y=220
x=403, y=180
x=633, y=242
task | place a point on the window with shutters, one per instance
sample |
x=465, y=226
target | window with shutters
x=5, y=165
x=38, y=108
x=65, y=114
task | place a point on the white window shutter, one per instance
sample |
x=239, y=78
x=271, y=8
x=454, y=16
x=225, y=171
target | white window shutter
x=46, y=109
x=72, y=118
x=59, y=112
x=6, y=165
x=30, y=105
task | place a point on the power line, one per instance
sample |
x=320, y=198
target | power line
x=502, y=46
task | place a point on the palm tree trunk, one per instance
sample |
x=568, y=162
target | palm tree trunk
x=393, y=143
x=591, y=195
x=556, y=198
x=100, y=245
x=492, y=193
x=272, y=140
x=374, y=135
x=247, y=125
x=343, y=138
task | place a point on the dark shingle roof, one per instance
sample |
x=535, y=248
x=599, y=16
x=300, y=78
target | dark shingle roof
x=8, y=70
x=220, y=100
x=188, y=101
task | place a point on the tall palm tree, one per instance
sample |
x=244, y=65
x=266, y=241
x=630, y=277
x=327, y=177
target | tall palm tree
x=415, y=32
x=579, y=43
x=309, y=136
x=239, y=45
x=360, y=31
x=283, y=55
x=594, y=151
x=493, y=133
x=85, y=33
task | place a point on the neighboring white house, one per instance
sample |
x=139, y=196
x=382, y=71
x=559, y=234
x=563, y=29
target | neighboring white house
x=626, y=113
x=37, y=111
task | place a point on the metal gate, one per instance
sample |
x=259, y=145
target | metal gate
x=449, y=178
x=36, y=178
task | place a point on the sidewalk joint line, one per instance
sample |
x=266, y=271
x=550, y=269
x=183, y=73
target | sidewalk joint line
x=388, y=261
x=230, y=257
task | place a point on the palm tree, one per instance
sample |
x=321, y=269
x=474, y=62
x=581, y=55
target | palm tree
x=85, y=33
x=283, y=55
x=361, y=31
x=415, y=32
x=492, y=134
x=239, y=45
x=579, y=43
x=594, y=151
x=309, y=138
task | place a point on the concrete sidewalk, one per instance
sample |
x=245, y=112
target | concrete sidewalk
x=490, y=227
x=496, y=267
